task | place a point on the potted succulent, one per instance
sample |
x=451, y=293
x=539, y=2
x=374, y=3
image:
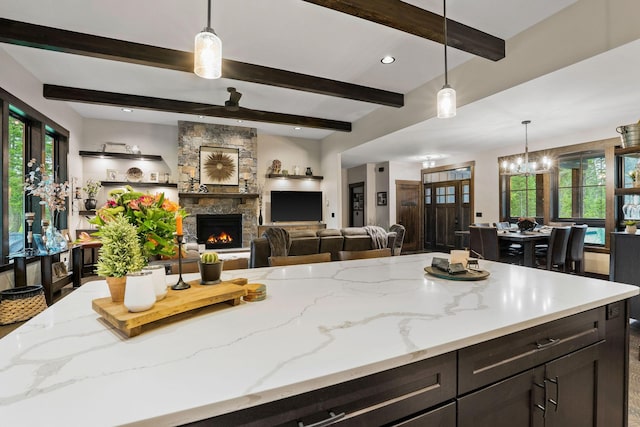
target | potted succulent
x=210, y=266
x=630, y=227
x=91, y=187
x=120, y=254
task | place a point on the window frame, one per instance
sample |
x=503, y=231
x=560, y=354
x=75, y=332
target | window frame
x=37, y=126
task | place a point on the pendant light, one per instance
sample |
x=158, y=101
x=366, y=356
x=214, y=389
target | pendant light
x=446, y=95
x=207, y=61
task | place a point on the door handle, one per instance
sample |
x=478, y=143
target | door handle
x=549, y=343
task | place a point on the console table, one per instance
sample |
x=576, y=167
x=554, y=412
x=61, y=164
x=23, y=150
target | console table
x=50, y=284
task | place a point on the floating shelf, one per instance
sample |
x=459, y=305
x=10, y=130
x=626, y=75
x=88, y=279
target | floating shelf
x=140, y=184
x=87, y=213
x=125, y=156
x=279, y=175
x=625, y=191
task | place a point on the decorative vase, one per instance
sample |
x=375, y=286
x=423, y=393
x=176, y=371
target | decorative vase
x=308, y=172
x=90, y=204
x=260, y=217
x=210, y=273
x=631, y=229
x=117, y=287
x=139, y=294
x=55, y=240
x=159, y=278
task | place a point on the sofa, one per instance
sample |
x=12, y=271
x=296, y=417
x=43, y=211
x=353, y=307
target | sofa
x=307, y=242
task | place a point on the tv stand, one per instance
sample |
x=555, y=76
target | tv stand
x=296, y=226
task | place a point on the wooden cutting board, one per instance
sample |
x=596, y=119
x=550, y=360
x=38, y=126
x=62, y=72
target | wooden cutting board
x=175, y=303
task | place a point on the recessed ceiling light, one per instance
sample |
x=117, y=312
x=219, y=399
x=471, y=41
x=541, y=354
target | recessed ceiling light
x=127, y=110
x=388, y=59
x=239, y=121
x=297, y=128
x=202, y=117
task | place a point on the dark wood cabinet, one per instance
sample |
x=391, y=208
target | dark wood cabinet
x=624, y=266
x=569, y=372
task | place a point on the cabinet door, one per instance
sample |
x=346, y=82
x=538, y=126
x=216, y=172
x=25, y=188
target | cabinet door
x=444, y=416
x=515, y=402
x=572, y=390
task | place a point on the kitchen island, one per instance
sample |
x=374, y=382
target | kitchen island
x=322, y=325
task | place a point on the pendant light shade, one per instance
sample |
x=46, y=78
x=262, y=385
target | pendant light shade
x=207, y=61
x=446, y=101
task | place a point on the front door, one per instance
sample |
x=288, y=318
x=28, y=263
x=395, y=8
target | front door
x=408, y=213
x=447, y=210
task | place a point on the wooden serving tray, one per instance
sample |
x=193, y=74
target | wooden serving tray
x=176, y=302
x=469, y=275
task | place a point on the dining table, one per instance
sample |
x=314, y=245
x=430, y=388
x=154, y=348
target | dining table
x=528, y=240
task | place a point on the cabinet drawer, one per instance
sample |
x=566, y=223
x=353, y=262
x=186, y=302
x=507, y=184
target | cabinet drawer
x=372, y=400
x=444, y=416
x=494, y=360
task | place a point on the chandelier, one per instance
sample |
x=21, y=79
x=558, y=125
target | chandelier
x=523, y=165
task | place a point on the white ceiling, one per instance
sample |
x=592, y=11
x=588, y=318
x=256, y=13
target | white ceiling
x=305, y=38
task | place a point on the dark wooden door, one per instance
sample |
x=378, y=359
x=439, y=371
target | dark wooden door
x=447, y=210
x=572, y=390
x=509, y=403
x=409, y=213
x=356, y=204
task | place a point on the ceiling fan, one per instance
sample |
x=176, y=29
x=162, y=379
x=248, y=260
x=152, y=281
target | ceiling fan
x=233, y=104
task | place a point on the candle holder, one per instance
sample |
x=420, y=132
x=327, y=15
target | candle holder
x=29, y=216
x=181, y=284
x=45, y=226
x=192, y=184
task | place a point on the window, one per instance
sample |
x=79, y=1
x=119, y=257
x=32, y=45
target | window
x=580, y=194
x=522, y=196
x=26, y=134
x=17, y=131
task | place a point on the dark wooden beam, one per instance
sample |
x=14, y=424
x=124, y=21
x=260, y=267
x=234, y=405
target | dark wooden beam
x=88, y=96
x=422, y=23
x=57, y=40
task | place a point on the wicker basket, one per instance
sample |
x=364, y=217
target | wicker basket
x=20, y=304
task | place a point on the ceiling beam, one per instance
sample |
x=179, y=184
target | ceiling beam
x=57, y=40
x=422, y=23
x=88, y=96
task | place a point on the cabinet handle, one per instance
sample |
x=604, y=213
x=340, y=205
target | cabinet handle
x=333, y=417
x=549, y=343
x=557, y=384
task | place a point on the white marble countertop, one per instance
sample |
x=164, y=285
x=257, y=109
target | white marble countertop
x=321, y=324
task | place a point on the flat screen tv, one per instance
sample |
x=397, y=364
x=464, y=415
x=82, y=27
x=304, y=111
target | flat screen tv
x=296, y=206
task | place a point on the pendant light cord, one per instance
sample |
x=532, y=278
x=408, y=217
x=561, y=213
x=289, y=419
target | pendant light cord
x=209, y=14
x=446, y=80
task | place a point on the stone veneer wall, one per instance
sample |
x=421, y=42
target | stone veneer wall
x=191, y=136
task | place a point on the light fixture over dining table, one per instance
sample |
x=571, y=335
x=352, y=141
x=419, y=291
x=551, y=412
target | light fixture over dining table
x=522, y=164
x=446, y=100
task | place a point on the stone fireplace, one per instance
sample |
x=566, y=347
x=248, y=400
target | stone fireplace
x=219, y=200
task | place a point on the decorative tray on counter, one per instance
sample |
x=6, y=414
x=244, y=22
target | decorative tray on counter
x=176, y=303
x=466, y=276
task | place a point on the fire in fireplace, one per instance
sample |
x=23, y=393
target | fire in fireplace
x=219, y=231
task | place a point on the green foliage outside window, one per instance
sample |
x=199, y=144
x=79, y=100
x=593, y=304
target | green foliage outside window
x=16, y=175
x=522, y=188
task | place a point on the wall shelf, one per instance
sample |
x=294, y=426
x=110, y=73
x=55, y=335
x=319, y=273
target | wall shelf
x=278, y=175
x=139, y=184
x=124, y=156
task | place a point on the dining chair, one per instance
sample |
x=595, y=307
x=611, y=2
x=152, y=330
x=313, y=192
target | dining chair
x=397, y=243
x=475, y=242
x=556, y=253
x=235, y=264
x=373, y=253
x=575, y=250
x=299, y=259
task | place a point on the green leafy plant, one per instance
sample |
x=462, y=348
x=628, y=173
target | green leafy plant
x=120, y=252
x=153, y=216
x=209, y=258
x=630, y=222
x=92, y=187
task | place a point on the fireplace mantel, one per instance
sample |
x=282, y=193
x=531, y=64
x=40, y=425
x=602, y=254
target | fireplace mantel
x=242, y=196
